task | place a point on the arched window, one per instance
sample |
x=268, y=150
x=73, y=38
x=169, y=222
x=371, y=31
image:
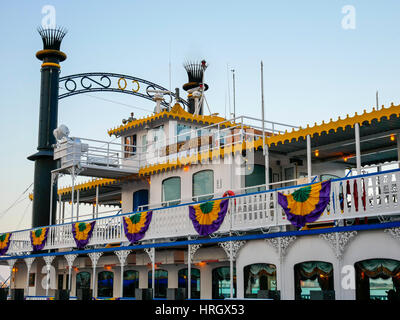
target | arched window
x=221, y=283
x=203, y=185
x=83, y=280
x=171, y=191
x=131, y=282
x=105, y=284
x=378, y=279
x=314, y=280
x=259, y=276
x=160, y=283
x=195, y=283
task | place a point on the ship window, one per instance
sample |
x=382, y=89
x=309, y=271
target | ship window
x=378, y=279
x=313, y=280
x=160, y=283
x=221, y=283
x=259, y=276
x=203, y=185
x=131, y=282
x=183, y=132
x=171, y=191
x=130, y=146
x=144, y=143
x=105, y=284
x=82, y=280
x=195, y=283
x=255, y=177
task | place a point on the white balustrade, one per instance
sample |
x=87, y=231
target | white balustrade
x=370, y=195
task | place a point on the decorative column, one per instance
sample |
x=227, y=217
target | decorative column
x=231, y=249
x=70, y=260
x=94, y=257
x=281, y=244
x=48, y=260
x=338, y=241
x=192, y=248
x=28, y=262
x=152, y=255
x=122, y=257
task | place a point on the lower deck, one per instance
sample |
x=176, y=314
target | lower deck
x=357, y=262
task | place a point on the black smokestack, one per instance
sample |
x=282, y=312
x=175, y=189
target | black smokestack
x=48, y=114
x=195, y=72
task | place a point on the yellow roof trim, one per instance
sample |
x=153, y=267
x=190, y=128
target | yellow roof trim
x=177, y=112
x=334, y=125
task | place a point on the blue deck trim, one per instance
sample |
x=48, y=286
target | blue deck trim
x=386, y=225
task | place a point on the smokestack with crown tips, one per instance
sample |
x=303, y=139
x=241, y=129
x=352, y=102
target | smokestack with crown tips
x=195, y=72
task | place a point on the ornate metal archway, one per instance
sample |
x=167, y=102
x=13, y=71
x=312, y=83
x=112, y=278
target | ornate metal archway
x=101, y=81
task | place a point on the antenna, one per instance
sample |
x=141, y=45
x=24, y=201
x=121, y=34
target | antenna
x=234, y=100
x=377, y=100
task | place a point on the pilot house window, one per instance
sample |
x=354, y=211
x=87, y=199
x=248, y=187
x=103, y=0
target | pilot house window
x=129, y=146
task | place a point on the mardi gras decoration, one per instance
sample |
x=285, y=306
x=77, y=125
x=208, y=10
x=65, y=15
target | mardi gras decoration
x=82, y=233
x=207, y=217
x=135, y=226
x=39, y=238
x=306, y=204
x=4, y=243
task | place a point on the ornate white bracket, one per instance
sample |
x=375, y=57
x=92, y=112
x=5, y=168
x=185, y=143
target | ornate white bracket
x=151, y=252
x=122, y=256
x=338, y=241
x=281, y=244
x=29, y=262
x=394, y=232
x=70, y=259
x=193, y=249
x=231, y=248
x=94, y=257
x=49, y=261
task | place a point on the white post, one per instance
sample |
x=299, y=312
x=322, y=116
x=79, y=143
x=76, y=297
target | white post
x=358, y=149
x=153, y=271
x=97, y=201
x=72, y=193
x=77, y=205
x=265, y=145
x=231, y=266
x=28, y=262
x=59, y=208
x=189, y=278
x=398, y=148
x=94, y=257
x=309, y=173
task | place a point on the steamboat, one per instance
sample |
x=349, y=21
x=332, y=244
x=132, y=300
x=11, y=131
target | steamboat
x=205, y=207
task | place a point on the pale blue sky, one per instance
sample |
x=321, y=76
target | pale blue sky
x=314, y=69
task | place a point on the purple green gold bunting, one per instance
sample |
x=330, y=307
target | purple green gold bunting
x=306, y=204
x=4, y=243
x=207, y=217
x=135, y=226
x=82, y=233
x=39, y=238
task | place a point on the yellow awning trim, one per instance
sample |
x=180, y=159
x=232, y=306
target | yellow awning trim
x=335, y=125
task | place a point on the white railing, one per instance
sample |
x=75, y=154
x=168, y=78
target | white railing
x=371, y=195
x=111, y=155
